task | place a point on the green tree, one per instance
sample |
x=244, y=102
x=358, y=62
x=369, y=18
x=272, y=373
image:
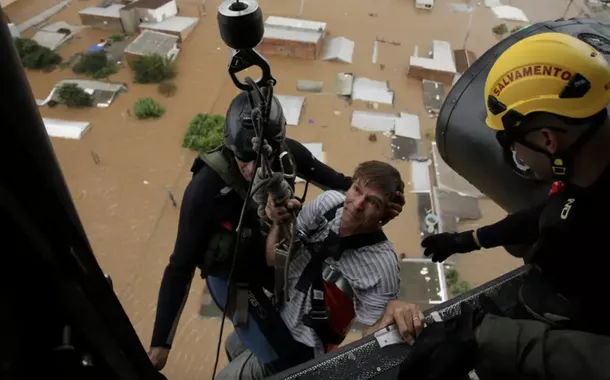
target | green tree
x=95, y=64
x=455, y=284
x=500, y=29
x=36, y=57
x=148, y=108
x=73, y=96
x=152, y=69
x=204, y=133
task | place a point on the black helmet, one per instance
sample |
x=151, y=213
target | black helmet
x=239, y=128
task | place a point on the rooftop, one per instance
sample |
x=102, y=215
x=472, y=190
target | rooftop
x=442, y=58
x=151, y=4
x=93, y=84
x=151, y=42
x=50, y=40
x=293, y=29
x=172, y=24
x=111, y=11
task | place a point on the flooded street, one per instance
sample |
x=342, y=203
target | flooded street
x=124, y=201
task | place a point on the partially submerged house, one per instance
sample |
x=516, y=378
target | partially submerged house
x=440, y=67
x=103, y=93
x=373, y=91
x=291, y=106
x=108, y=18
x=53, y=35
x=178, y=26
x=339, y=49
x=291, y=37
x=66, y=129
x=155, y=10
x=151, y=42
x=424, y=4
x=434, y=96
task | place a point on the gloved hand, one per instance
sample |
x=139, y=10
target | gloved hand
x=445, y=350
x=441, y=246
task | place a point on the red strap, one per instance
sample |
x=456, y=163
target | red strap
x=342, y=313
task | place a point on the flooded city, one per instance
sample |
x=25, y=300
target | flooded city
x=127, y=176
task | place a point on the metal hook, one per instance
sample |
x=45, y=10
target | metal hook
x=246, y=58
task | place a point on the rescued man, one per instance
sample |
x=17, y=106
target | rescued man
x=210, y=211
x=547, y=96
x=344, y=269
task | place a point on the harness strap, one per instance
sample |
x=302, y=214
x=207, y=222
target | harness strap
x=218, y=162
x=313, y=276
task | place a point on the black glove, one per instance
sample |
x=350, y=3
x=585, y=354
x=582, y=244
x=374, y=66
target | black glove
x=445, y=350
x=441, y=246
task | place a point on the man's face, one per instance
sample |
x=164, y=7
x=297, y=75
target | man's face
x=364, y=207
x=246, y=168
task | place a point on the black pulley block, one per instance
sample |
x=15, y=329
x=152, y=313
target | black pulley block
x=241, y=23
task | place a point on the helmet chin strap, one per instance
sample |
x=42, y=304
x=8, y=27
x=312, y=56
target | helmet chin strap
x=562, y=162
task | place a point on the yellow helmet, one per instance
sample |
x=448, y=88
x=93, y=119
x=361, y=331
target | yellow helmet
x=547, y=72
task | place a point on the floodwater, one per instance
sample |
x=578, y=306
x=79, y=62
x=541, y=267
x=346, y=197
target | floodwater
x=123, y=201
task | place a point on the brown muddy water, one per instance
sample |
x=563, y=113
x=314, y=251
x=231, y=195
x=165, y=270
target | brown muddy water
x=123, y=201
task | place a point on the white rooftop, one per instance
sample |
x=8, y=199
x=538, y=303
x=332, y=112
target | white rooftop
x=172, y=24
x=442, y=58
x=151, y=42
x=317, y=150
x=404, y=125
x=339, y=49
x=292, y=106
x=50, y=40
x=295, y=23
x=507, y=12
x=111, y=11
x=292, y=29
x=370, y=90
x=66, y=129
x=420, y=177
x=54, y=27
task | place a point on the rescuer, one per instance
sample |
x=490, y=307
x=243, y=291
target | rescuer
x=547, y=98
x=210, y=212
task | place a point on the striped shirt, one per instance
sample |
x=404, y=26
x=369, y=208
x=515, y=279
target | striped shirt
x=371, y=271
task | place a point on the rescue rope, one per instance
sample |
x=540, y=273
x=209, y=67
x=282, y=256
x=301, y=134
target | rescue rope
x=268, y=183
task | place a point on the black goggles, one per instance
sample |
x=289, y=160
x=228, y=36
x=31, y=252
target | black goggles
x=508, y=138
x=246, y=156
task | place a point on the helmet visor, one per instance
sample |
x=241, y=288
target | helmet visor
x=244, y=151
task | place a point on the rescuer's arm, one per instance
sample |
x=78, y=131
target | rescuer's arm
x=518, y=228
x=273, y=238
x=527, y=349
x=316, y=172
x=191, y=243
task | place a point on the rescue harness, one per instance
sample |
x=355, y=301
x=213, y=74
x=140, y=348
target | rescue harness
x=332, y=310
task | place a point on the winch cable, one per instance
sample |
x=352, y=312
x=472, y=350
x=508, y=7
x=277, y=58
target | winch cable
x=280, y=189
